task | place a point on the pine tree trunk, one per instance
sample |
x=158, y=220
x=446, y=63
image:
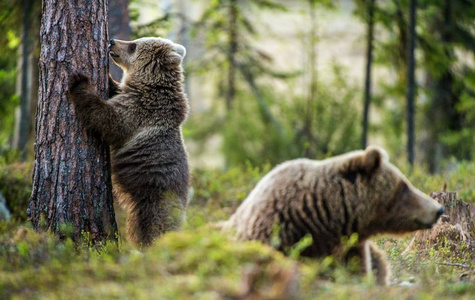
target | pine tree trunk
x=71, y=179
x=119, y=28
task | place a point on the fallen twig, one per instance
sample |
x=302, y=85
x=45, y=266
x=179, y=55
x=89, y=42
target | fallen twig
x=456, y=265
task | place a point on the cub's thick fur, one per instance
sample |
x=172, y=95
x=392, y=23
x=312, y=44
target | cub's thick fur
x=359, y=192
x=142, y=123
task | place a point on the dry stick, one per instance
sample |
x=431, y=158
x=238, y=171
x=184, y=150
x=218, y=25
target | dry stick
x=456, y=265
x=409, y=247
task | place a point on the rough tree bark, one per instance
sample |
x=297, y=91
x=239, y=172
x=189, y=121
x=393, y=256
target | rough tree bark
x=119, y=28
x=71, y=179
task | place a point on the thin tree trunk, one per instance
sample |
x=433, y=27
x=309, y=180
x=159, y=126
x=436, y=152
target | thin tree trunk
x=313, y=81
x=25, y=100
x=410, y=81
x=233, y=24
x=119, y=28
x=33, y=79
x=27, y=77
x=403, y=44
x=369, y=61
x=71, y=180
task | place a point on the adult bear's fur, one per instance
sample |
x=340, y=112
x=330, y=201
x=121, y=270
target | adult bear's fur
x=359, y=192
x=142, y=123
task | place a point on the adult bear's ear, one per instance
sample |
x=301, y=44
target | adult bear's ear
x=364, y=163
x=373, y=158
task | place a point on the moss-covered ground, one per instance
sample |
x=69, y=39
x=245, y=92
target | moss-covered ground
x=200, y=262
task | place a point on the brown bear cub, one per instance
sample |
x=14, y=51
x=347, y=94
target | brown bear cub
x=359, y=192
x=142, y=124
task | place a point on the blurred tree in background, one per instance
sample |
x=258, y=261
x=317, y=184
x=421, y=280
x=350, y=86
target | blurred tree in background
x=266, y=125
x=365, y=9
x=411, y=84
x=230, y=30
x=119, y=28
x=447, y=39
x=261, y=111
x=8, y=98
x=445, y=43
x=20, y=20
x=391, y=44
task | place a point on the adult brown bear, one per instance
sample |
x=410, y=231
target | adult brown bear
x=359, y=192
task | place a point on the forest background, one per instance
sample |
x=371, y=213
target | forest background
x=269, y=81
x=295, y=69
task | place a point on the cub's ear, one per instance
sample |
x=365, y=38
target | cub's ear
x=373, y=159
x=180, y=50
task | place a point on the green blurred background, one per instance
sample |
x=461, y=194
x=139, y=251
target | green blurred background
x=272, y=80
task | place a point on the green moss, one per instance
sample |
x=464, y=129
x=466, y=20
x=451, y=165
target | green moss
x=199, y=262
x=180, y=265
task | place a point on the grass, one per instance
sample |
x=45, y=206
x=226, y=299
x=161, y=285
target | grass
x=199, y=262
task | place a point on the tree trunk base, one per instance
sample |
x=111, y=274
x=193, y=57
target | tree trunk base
x=455, y=229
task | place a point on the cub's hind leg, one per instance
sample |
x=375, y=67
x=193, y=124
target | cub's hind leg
x=150, y=216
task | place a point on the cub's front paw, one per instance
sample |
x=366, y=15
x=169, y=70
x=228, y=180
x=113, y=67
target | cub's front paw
x=78, y=81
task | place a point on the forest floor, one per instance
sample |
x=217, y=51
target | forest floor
x=199, y=262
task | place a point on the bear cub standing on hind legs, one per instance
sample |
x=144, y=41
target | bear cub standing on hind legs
x=358, y=192
x=142, y=124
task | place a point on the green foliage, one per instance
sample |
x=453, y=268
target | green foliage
x=8, y=100
x=249, y=136
x=15, y=185
x=447, y=40
x=157, y=27
x=444, y=49
x=265, y=125
x=228, y=29
x=218, y=193
x=300, y=246
x=11, y=25
x=253, y=138
x=335, y=114
x=197, y=264
x=457, y=175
